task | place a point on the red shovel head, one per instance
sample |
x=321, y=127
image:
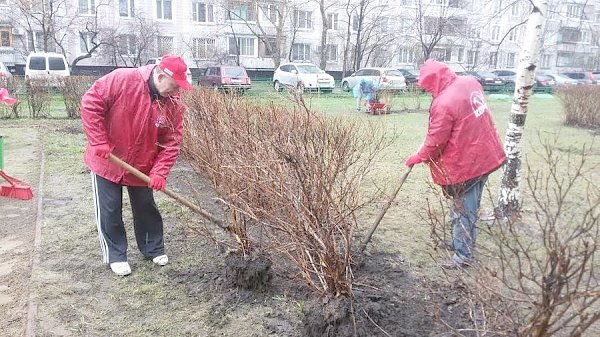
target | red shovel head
x=15, y=188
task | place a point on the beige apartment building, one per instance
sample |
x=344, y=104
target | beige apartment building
x=338, y=35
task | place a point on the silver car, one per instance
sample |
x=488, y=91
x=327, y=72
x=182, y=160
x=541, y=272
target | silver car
x=385, y=78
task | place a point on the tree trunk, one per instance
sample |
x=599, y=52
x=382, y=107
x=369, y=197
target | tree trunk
x=323, y=56
x=509, y=191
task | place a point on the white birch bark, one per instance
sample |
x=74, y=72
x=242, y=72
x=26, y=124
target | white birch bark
x=528, y=58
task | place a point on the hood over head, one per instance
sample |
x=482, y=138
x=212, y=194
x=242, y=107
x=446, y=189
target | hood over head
x=435, y=76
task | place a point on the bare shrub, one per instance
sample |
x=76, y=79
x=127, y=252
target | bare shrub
x=39, y=96
x=15, y=86
x=292, y=173
x=580, y=105
x=538, y=276
x=72, y=89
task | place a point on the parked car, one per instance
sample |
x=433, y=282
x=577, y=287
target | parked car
x=411, y=76
x=582, y=77
x=46, y=66
x=488, y=80
x=188, y=73
x=508, y=76
x=561, y=80
x=4, y=73
x=304, y=76
x=385, y=78
x=225, y=77
x=543, y=83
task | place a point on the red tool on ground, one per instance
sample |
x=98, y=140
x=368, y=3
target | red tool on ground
x=15, y=188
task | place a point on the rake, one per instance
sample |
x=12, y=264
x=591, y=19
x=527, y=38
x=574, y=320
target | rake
x=15, y=188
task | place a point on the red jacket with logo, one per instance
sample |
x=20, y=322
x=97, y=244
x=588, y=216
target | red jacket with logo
x=147, y=134
x=461, y=142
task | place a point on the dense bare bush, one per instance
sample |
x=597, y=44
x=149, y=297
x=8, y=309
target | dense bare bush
x=15, y=86
x=539, y=277
x=580, y=105
x=39, y=95
x=292, y=173
x=72, y=89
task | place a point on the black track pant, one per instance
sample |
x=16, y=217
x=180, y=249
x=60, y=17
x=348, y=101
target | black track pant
x=147, y=222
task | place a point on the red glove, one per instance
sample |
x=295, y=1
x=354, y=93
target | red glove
x=157, y=182
x=412, y=160
x=101, y=150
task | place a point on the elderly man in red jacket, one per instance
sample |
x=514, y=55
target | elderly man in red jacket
x=134, y=113
x=462, y=148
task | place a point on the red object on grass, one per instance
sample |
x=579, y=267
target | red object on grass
x=15, y=188
x=4, y=98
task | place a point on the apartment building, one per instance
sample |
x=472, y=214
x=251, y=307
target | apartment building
x=338, y=35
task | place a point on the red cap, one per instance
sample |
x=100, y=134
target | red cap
x=175, y=67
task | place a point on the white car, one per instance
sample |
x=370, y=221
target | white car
x=4, y=73
x=303, y=76
x=385, y=78
x=49, y=67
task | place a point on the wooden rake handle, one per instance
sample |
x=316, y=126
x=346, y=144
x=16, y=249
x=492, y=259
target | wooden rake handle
x=143, y=177
x=387, y=205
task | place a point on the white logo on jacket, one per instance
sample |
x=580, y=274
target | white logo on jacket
x=478, y=103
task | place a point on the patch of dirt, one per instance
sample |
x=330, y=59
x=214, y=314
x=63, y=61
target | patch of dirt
x=253, y=273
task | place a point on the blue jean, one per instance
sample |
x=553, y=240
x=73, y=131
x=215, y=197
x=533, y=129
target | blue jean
x=464, y=203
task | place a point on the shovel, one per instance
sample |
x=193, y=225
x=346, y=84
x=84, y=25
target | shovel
x=139, y=174
x=387, y=205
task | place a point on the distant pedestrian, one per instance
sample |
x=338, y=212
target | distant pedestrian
x=365, y=89
x=462, y=148
x=136, y=115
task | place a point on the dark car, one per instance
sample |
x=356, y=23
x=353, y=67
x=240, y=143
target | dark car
x=489, y=81
x=508, y=76
x=411, y=76
x=226, y=78
x=582, y=77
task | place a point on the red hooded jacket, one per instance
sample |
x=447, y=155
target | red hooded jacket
x=461, y=142
x=147, y=134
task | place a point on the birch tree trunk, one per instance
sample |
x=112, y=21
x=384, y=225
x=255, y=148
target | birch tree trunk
x=509, y=202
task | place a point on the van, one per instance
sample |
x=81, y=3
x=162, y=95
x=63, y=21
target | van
x=50, y=66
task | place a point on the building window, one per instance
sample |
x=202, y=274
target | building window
x=87, y=7
x=405, y=26
x=6, y=38
x=164, y=45
x=126, y=8
x=270, y=13
x=331, y=53
x=495, y=36
x=574, y=11
x=332, y=21
x=569, y=35
x=545, y=61
x=300, y=52
x=127, y=45
x=202, y=12
x=243, y=46
x=201, y=48
x=302, y=19
x=472, y=57
x=164, y=9
x=461, y=54
x=510, y=60
x=406, y=56
x=241, y=12
x=355, y=22
x=442, y=54
x=586, y=37
x=38, y=42
x=513, y=35
x=494, y=59
x=514, y=9
x=267, y=47
x=85, y=44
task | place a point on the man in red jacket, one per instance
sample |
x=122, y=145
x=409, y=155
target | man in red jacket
x=462, y=148
x=134, y=113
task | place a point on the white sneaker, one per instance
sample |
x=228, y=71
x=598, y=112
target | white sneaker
x=120, y=268
x=161, y=260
